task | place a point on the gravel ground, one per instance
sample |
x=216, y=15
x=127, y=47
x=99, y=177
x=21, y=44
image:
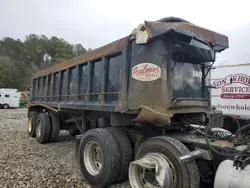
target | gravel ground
x=25, y=163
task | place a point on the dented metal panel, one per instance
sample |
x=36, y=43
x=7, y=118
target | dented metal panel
x=154, y=29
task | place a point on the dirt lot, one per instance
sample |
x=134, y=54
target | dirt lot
x=25, y=163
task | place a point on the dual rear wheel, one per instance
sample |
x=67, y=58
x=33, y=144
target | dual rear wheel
x=105, y=158
x=44, y=127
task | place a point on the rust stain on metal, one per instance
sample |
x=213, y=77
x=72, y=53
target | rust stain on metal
x=159, y=28
x=157, y=115
x=188, y=102
x=161, y=115
x=86, y=57
x=153, y=29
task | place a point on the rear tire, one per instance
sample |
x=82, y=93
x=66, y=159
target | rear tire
x=105, y=172
x=6, y=106
x=31, y=126
x=55, y=127
x=184, y=175
x=43, y=128
x=126, y=151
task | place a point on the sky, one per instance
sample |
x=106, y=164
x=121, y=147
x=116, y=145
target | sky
x=94, y=23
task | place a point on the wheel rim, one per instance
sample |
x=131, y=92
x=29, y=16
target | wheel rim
x=30, y=125
x=5, y=106
x=93, y=158
x=173, y=170
x=38, y=129
x=154, y=170
x=147, y=178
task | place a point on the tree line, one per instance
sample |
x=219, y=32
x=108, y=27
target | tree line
x=19, y=60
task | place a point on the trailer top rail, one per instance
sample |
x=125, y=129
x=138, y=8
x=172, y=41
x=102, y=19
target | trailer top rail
x=150, y=30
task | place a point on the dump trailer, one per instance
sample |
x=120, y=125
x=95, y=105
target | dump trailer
x=140, y=108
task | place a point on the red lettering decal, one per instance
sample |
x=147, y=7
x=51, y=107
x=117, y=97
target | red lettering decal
x=234, y=77
x=224, y=82
x=240, y=78
x=245, y=79
x=146, y=72
x=144, y=69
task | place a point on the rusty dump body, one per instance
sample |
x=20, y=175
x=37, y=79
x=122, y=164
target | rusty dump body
x=161, y=69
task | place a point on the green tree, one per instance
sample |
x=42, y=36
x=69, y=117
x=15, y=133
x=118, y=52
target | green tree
x=12, y=74
x=78, y=49
x=19, y=60
x=60, y=50
x=12, y=48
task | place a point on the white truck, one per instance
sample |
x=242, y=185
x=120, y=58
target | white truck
x=231, y=90
x=9, y=98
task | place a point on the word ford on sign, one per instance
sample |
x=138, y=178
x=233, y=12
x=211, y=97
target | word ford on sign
x=146, y=72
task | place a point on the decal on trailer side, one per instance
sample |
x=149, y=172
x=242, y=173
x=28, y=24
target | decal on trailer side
x=146, y=72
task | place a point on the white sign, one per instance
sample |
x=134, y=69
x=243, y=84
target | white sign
x=197, y=74
x=146, y=72
x=231, y=92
